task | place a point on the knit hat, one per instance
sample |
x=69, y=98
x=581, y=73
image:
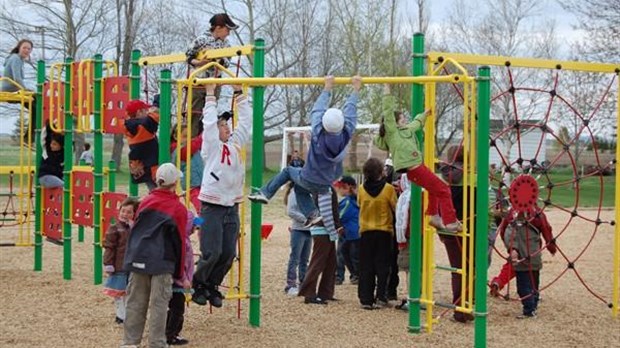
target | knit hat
x=167, y=174
x=136, y=105
x=333, y=120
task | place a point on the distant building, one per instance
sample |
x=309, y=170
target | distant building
x=531, y=139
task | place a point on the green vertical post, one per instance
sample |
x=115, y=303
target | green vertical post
x=38, y=200
x=165, y=85
x=66, y=200
x=98, y=171
x=482, y=206
x=111, y=176
x=80, y=227
x=134, y=93
x=415, y=211
x=258, y=127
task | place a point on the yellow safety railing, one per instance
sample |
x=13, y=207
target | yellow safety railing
x=55, y=97
x=85, y=81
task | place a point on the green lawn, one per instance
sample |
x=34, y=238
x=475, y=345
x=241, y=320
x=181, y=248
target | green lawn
x=563, y=195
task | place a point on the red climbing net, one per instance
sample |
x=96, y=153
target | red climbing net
x=528, y=181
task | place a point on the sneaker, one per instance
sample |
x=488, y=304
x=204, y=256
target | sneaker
x=177, y=341
x=339, y=281
x=200, y=295
x=368, y=307
x=392, y=297
x=292, y=291
x=258, y=197
x=382, y=304
x=354, y=280
x=119, y=320
x=454, y=227
x=531, y=315
x=215, y=298
x=313, y=221
x=494, y=290
x=315, y=300
x=437, y=222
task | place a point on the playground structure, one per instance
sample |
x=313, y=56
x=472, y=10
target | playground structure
x=476, y=103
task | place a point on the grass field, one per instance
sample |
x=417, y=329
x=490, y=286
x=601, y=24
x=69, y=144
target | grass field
x=563, y=193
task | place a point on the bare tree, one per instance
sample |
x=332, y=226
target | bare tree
x=600, y=19
x=507, y=28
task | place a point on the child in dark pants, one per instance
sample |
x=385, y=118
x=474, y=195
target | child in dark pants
x=377, y=201
x=522, y=235
x=180, y=290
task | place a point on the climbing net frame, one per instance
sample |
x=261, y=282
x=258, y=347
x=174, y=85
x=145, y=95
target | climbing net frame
x=529, y=166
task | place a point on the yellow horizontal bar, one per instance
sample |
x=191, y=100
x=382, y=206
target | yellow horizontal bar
x=6, y=97
x=462, y=58
x=106, y=170
x=15, y=170
x=456, y=308
x=265, y=81
x=237, y=297
x=206, y=54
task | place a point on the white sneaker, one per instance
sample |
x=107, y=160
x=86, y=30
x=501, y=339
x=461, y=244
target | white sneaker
x=437, y=222
x=258, y=197
x=292, y=292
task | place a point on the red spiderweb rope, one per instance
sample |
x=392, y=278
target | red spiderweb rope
x=575, y=180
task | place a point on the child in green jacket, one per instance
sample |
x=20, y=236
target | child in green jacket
x=397, y=136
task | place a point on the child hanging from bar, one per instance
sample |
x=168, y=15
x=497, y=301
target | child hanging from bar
x=521, y=233
x=141, y=132
x=332, y=130
x=398, y=137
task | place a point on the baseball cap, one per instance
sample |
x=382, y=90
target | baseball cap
x=388, y=162
x=223, y=20
x=346, y=179
x=136, y=105
x=167, y=174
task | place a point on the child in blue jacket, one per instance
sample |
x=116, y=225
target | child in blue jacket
x=332, y=130
x=348, y=242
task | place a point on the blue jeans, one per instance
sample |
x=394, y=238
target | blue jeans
x=347, y=255
x=51, y=181
x=303, y=189
x=301, y=244
x=527, y=288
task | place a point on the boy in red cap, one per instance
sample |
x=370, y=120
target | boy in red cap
x=141, y=129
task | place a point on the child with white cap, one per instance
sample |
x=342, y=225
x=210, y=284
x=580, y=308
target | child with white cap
x=332, y=130
x=155, y=252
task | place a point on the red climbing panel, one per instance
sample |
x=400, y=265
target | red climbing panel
x=82, y=86
x=52, y=213
x=111, y=205
x=115, y=97
x=82, y=198
x=54, y=90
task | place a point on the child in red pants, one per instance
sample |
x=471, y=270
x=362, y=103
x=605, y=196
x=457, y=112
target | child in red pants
x=397, y=136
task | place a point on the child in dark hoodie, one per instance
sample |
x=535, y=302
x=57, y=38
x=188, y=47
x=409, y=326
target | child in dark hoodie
x=377, y=202
x=332, y=130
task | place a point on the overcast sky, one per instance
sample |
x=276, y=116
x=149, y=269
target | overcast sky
x=550, y=9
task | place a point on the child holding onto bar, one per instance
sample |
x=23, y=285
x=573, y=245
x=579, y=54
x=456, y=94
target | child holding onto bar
x=332, y=130
x=141, y=132
x=398, y=137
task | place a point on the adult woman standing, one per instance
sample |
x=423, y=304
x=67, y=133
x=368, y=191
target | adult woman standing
x=14, y=69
